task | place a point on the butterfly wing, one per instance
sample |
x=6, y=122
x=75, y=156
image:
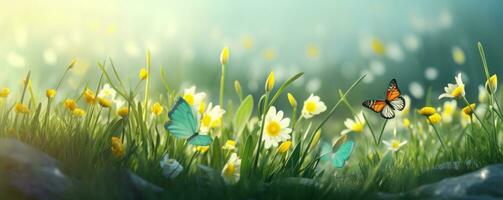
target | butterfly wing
x=398, y=103
x=393, y=92
x=375, y=105
x=387, y=112
x=182, y=122
x=326, y=151
x=200, y=140
x=342, y=154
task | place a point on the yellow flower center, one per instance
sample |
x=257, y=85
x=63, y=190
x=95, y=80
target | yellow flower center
x=357, y=127
x=230, y=169
x=273, y=129
x=189, y=98
x=310, y=106
x=206, y=121
x=458, y=91
x=395, y=144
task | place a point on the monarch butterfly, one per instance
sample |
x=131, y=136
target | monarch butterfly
x=394, y=101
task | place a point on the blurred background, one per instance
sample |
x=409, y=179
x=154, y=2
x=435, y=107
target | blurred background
x=421, y=44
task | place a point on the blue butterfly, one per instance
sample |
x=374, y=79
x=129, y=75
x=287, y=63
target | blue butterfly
x=340, y=157
x=183, y=124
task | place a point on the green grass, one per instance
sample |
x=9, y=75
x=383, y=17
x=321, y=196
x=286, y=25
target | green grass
x=83, y=145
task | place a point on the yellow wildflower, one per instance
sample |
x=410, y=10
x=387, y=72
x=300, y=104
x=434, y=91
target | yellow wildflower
x=89, y=97
x=377, y=46
x=292, y=100
x=427, y=111
x=406, y=122
x=202, y=149
x=224, y=56
x=4, y=93
x=117, y=147
x=70, y=104
x=492, y=83
x=435, y=118
x=143, y=74
x=157, y=109
x=105, y=103
x=50, y=93
x=468, y=110
x=229, y=145
x=269, y=84
x=123, y=111
x=21, y=109
x=284, y=146
x=78, y=112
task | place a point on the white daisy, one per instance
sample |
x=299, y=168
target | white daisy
x=275, y=128
x=313, y=106
x=211, y=118
x=232, y=170
x=194, y=99
x=394, y=145
x=355, y=125
x=454, y=90
x=107, y=92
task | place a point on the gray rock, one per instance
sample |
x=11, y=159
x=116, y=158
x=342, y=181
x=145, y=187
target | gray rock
x=141, y=184
x=29, y=173
x=485, y=183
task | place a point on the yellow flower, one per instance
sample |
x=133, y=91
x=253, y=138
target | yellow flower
x=355, y=125
x=90, y=97
x=193, y=98
x=224, y=56
x=123, y=111
x=316, y=138
x=21, y=109
x=313, y=106
x=292, y=100
x=79, y=112
x=202, y=107
x=4, y=93
x=468, y=110
x=50, y=93
x=70, y=104
x=269, y=83
x=143, y=74
x=117, y=147
x=202, y=149
x=275, y=128
x=105, y=103
x=237, y=87
x=448, y=110
x=406, y=122
x=232, y=169
x=458, y=55
x=312, y=51
x=454, y=90
x=435, y=118
x=284, y=146
x=157, y=109
x=229, y=145
x=377, y=46
x=492, y=84
x=394, y=145
x=427, y=111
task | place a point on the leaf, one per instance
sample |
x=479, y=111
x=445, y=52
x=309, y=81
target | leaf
x=294, y=158
x=247, y=155
x=243, y=114
x=216, y=153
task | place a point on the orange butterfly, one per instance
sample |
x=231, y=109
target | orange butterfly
x=392, y=102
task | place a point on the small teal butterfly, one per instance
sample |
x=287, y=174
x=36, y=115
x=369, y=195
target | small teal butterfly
x=340, y=157
x=183, y=123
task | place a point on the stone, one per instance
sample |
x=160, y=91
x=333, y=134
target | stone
x=29, y=173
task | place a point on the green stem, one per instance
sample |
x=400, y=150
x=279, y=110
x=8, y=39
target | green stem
x=266, y=109
x=382, y=131
x=222, y=84
x=438, y=135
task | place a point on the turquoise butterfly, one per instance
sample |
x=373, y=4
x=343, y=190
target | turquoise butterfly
x=183, y=124
x=340, y=157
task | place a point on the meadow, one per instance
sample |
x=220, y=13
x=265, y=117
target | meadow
x=256, y=150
